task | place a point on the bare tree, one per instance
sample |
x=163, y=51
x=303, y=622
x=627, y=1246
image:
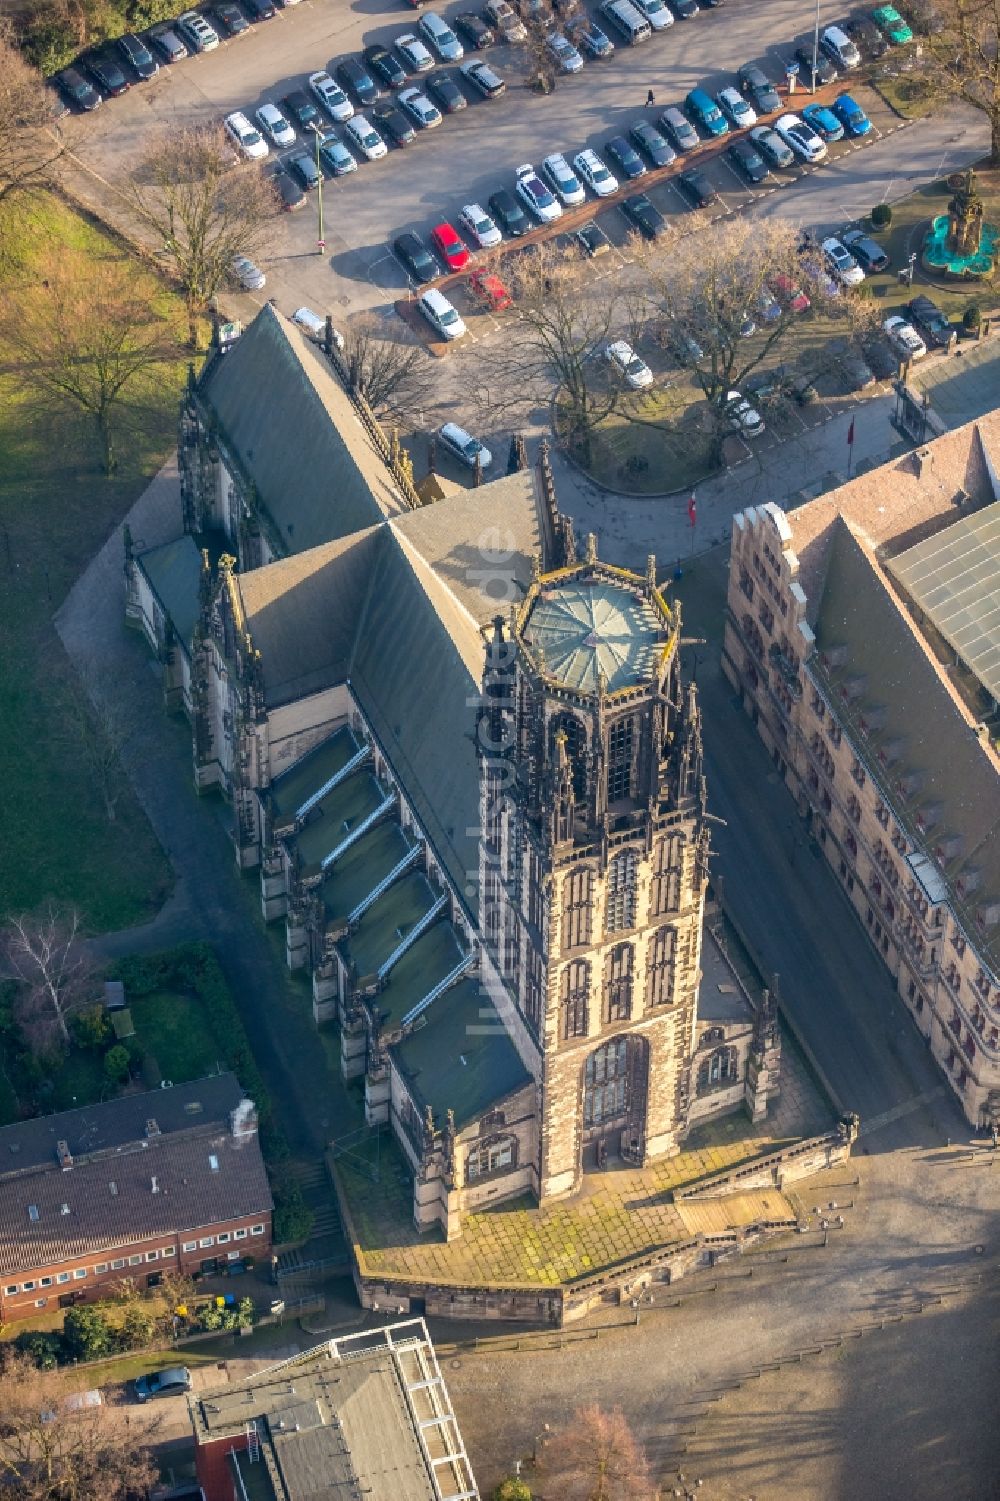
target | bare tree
x=103, y=722
x=42, y=952
x=961, y=60
x=52, y=1451
x=395, y=376
x=596, y=1457
x=202, y=210
x=31, y=141
x=87, y=332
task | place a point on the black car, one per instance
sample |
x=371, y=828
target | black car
x=288, y=190
x=867, y=252
x=79, y=91
x=231, y=19
x=653, y=142
x=302, y=165
x=696, y=186
x=881, y=360
x=358, y=81
x=625, y=160
x=258, y=10
x=381, y=63
x=416, y=257
x=685, y=8
x=643, y=215
x=299, y=108
x=748, y=161
x=445, y=92
x=138, y=56
x=825, y=71
x=758, y=88
x=509, y=214
x=592, y=239
x=106, y=72
x=392, y=125
x=165, y=41
x=866, y=36
x=473, y=30
x=931, y=322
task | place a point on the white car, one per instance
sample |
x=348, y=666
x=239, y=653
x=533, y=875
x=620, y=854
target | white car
x=249, y=141
x=742, y=416
x=564, y=52
x=440, y=314
x=414, y=54
x=563, y=180
x=842, y=263
x=332, y=97
x=247, y=273
x=531, y=190
x=804, y=141
x=312, y=324
x=367, y=139
x=464, y=446
x=480, y=227
x=502, y=15
x=903, y=338
x=441, y=37
x=484, y=79
x=634, y=371
x=656, y=13
x=196, y=31
x=595, y=174
x=419, y=107
x=273, y=123
x=736, y=109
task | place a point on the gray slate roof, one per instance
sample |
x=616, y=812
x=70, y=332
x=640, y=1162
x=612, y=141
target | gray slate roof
x=174, y=573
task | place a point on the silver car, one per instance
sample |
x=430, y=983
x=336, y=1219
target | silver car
x=441, y=37
x=331, y=96
x=248, y=275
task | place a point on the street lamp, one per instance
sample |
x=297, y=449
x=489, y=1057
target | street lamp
x=320, y=240
x=815, y=49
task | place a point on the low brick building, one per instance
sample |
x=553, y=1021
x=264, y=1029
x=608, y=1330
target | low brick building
x=169, y=1180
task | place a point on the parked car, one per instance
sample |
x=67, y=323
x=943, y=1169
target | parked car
x=747, y=160
x=312, y=324
x=851, y=115
x=170, y=1382
x=653, y=142
x=881, y=358
x=301, y=163
x=825, y=71
x=487, y=288
x=196, y=31
x=291, y=195
x=474, y=31
x=655, y=12
x=502, y=15
x=564, y=52
x=591, y=239
x=758, y=87
x=866, y=36
x=633, y=370
x=563, y=180
x=259, y=10
x=335, y=157
x=415, y=257
x=803, y=140
x=931, y=322
x=823, y=121
x=790, y=294
x=274, y=125
x=441, y=37
x=903, y=338
x=441, y=315
x=588, y=37
x=890, y=22
x=246, y=138
x=643, y=215
x=679, y=129
x=775, y=151
x=247, y=274
x=420, y=108
x=331, y=96
x=840, y=49
x=464, y=446
x=449, y=246
x=532, y=191
x=484, y=78
x=855, y=368
x=413, y=52
x=695, y=185
x=165, y=42
x=380, y=64
x=588, y=166
x=446, y=93
x=231, y=19
x=743, y=417
x=355, y=77
x=705, y=113
x=685, y=9
x=509, y=214
x=300, y=108
x=625, y=161
x=479, y=226
x=366, y=138
x=79, y=91
x=106, y=71
x=138, y=56
x=740, y=114
x=866, y=251
x=392, y=125
x=766, y=306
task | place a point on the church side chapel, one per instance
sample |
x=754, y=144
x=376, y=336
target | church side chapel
x=467, y=768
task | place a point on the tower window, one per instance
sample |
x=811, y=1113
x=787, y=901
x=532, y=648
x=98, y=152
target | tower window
x=618, y=967
x=620, y=915
x=577, y=898
x=666, y=892
x=661, y=966
x=720, y=1069
x=575, y=1019
x=605, y=1084
x=620, y=739
x=576, y=751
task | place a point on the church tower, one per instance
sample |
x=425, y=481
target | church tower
x=594, y=861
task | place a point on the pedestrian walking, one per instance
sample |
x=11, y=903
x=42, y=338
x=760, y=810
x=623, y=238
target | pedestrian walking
x=650, y=101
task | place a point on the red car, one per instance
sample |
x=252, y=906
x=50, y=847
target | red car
x=791, y=295
x=449, y=247
x=490, y=290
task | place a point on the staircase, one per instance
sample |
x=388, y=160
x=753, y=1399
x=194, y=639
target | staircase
x=326, y=1251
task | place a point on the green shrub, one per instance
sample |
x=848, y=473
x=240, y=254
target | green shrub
x=90, y=1028
x=87, y=1335
x=116, y=1064
x=512, y=1489
x=881, y=216
x=293, y=1218
x=972, y=317
x=46, y=1350
x=136, y=1332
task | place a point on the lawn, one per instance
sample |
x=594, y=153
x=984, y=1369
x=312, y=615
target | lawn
x=176, y=1031
x=909, y=95
x=56, y=509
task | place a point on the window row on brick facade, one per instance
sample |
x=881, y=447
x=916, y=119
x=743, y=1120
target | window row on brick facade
x=121, y=1263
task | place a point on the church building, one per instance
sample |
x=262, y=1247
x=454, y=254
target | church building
x=462, y=757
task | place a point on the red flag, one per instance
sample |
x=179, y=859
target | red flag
x=692, y=509
x=850, y=434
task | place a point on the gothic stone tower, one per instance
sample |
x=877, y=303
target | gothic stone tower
x=594, y=856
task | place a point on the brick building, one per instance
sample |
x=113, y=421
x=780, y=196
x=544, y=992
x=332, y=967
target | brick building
x=169, y=1180
x=863, y=634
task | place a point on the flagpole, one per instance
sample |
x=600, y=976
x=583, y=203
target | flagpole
x=850, y=448
x=693, y=518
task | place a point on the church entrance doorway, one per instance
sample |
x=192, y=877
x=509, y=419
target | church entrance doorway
x=614, y=1101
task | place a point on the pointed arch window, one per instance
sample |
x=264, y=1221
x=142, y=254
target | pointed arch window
x=662, y=950
x=717, y=1071
x=575, y=1000
x=576, y=750
x=621, y=739
x=666, y=892
x=620, y=911
x=605, y=1083
x=618, y=979
x=577, y=903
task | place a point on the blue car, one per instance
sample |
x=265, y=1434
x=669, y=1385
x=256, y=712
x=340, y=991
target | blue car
x=706, y=113
x=824, y=122
x=850, y=114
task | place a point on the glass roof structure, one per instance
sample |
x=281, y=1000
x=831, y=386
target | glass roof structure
x=587, y=626
x=954, y=578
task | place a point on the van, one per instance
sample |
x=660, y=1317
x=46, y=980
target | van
x=627, y=21
x=440, y=314
x=706, y=113
x=840, y=49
